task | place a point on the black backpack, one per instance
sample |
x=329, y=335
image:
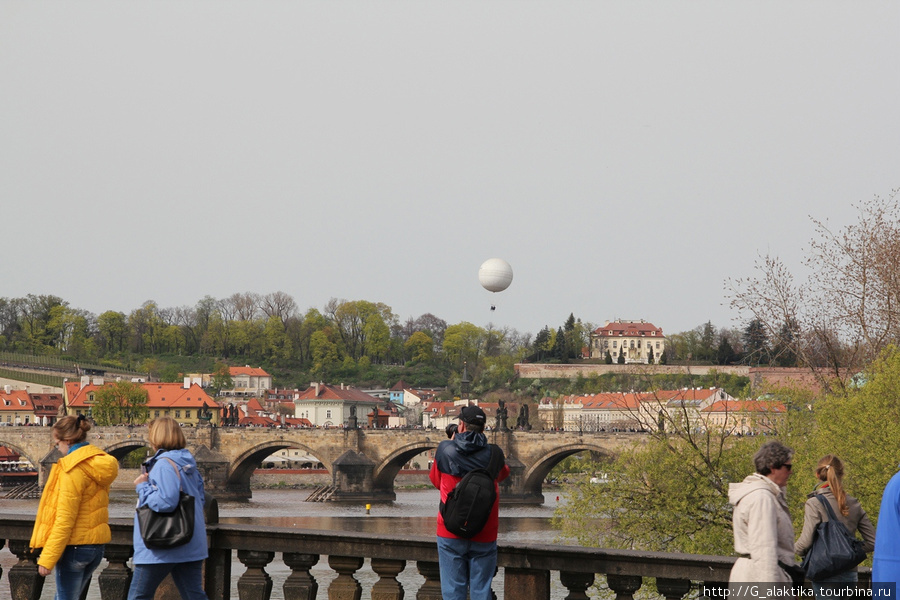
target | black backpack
x=469, y=504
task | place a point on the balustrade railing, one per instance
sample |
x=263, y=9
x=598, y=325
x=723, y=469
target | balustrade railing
x=527, y=568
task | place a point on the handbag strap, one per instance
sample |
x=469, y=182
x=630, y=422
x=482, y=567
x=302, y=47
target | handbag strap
x=177, y=470
x=827, y=504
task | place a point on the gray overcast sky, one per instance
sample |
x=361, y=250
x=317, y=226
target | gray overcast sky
x=626, y=158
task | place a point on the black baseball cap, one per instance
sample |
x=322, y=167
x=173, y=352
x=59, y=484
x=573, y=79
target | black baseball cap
x=473, y=415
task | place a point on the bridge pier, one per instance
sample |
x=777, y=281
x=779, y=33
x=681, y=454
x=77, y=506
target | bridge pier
x=513, y=490
x=354, y=480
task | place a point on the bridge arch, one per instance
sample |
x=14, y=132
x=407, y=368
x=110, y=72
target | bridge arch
x=242, y=468
x=533, y=478
x=121, y=448
x=29, y=453
x=386, y=471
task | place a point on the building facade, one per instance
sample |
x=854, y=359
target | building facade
x=326, y=405
x=639, y=342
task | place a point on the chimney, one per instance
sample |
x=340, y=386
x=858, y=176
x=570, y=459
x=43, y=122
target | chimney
x=187, y=383
x=85, y=380
x=7, y=388
x=315, y=384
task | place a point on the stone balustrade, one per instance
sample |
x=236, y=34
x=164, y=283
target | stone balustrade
x=527, y=568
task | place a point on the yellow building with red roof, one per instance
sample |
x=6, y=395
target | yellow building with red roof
x=16, y=407
x=184, y=402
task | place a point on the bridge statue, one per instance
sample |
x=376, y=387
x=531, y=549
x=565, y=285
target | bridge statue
x=523, y=423
x=501, y=416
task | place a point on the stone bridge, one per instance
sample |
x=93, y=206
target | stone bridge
x=363, y=462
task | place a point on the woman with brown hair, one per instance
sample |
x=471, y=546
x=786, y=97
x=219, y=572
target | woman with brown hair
x=830, y=473
x=171, y=469
x=72, y=523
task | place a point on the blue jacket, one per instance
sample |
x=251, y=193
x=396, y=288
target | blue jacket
x=886, y=560
x=161, y=493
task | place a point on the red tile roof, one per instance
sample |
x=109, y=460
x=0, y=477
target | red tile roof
x=160, y=395
x=17, y=399
x=629, y=329
x=252, y=371
x=331, y=392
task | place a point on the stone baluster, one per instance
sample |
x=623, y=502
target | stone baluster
x=300, y=584
x=431, y=589
x=387, y=587
x=345, y=586
x=255, y=583
x=527, y=584
x=115, y=579
x=576, y=583
x=624, y=585
x=24, y=580
x=673, y=589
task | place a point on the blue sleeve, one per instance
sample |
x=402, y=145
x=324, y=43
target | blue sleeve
x=161, y=492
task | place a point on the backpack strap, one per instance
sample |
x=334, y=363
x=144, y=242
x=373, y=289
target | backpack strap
x=496, y=462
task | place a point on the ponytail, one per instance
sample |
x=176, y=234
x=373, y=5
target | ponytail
x=831, y=471
x=72, y=430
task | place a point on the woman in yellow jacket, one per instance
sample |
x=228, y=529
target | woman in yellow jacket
x=72, y=523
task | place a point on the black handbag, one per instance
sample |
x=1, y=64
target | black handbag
x=833, y=549
x=169, y=529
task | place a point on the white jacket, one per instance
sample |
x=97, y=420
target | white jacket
x=762, y=530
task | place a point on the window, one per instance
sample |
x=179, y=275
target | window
x=90, y=397
x=657, y=345
x=167, y=414
x=187, y=414
x=327, y=414
x=614, y=344
x=632, y=343
x=177, y=414
x=156, y=413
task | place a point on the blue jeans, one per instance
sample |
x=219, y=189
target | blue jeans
x=466, y=566
x=74, y=570
x=188, y=579
x=847, y=579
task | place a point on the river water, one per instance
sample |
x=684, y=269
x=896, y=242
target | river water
x=413, y=512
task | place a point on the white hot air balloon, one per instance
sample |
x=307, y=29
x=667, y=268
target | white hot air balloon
x=495, y=275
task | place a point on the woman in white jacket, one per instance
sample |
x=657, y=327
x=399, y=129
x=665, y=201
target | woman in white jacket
x=763, y=533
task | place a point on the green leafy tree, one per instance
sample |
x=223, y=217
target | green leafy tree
x=420, y=348
x=464, y=342
x=325, y=355
x=860, y=427
x=221, y=379
x=120, y=402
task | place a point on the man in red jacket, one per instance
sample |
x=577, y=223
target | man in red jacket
x=467, y=565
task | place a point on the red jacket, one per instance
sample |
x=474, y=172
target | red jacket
x=446, y=482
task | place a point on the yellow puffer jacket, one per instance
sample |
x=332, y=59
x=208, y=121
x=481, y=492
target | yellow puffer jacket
x=74, y=507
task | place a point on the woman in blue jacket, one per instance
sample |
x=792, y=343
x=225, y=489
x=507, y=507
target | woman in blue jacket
x=159, y=488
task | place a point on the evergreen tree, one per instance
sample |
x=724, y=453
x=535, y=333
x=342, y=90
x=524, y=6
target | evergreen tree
x=756, y=343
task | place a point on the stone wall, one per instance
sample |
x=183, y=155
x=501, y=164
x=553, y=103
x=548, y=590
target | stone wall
x=548, y=371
